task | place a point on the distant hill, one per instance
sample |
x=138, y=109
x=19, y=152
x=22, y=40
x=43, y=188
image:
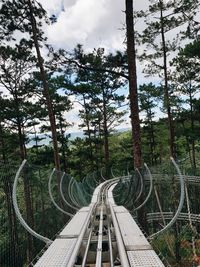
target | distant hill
x=46, y=139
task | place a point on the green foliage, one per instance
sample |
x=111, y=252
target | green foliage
x=97, y=81
x=15, y=16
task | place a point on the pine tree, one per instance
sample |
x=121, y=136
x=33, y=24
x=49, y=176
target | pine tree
x=19, y=110
x=186, y=81
x=133, y=94
x=61, y=105
x=28, y=16
x=102, y=98
x=161, y=19
x=148, y=99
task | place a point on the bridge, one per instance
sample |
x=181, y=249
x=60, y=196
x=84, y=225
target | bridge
x=100, y=232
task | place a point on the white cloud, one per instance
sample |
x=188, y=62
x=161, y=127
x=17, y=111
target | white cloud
x=89, y=22
x=52, y=6
x=3, y=90
x=93, y=23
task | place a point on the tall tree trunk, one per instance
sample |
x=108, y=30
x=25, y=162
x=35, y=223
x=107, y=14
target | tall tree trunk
x=153, y=144
x=160, y=153
x=187, y=143
x=62, y=135
x=21, y=139
x=100, y=138
x=151, y=137
x=134, y=109
x=176, y=225
x=3, y=153
x=105, y=131
x=44, y=218
x=97, y=148
x=192, y=128
x=7, y=187
x=36, y=141
x=88, y=129
x=26, y=183
x=24, y=145
x=45, y=87
x=27, y=193
x=166, y=89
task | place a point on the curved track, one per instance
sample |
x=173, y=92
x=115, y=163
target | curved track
x=101, y=234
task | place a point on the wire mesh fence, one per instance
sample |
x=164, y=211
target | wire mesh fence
x=45, y=204
x=180, y=244
x=37, y=196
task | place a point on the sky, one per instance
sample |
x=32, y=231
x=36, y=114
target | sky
x=92, y=23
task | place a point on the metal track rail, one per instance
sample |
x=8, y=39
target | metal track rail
x=102, y=234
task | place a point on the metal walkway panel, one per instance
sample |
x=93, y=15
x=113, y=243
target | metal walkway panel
x=94, y=198
x=119, y=209
x=84, y=209
x=110, y=194
x=58, y=254
x=73, y=228
x=132, y=235
x=144, y=258
x=96, y=193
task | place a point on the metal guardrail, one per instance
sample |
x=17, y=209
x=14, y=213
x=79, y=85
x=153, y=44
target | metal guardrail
x=17, y=211
x=150, y=189
x=133, y=247
x=157, y=216
x=158, y=177
x=86, y=219
x=180, y=205
x=52, y=198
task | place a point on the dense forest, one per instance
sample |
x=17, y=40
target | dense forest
x=41, y=84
